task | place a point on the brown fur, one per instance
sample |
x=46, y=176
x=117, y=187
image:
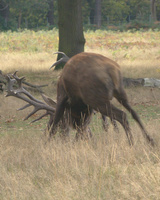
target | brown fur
x=88, y=82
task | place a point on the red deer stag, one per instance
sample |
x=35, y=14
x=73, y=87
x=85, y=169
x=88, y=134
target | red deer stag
x=88, y=82
x=64, y=59
x=48, y=105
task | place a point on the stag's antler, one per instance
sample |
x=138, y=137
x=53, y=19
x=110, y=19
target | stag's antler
x=64, y=59
x=23, y=94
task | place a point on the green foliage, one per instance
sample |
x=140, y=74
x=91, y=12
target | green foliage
x=33, y=14
x=29, y=41
x=27, y=14
x=140, y=9
x=115, y=11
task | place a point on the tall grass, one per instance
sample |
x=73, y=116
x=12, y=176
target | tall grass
x=105, y=168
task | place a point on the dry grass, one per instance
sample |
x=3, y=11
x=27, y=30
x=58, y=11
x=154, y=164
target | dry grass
x=106, y=168
x=135, y=62
x=138, y=53
x=27, y=62
x=103, y=168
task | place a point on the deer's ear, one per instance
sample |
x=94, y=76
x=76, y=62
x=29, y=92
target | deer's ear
x=49, y=101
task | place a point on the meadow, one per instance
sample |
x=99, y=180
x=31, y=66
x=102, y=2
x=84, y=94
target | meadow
x=105, y=167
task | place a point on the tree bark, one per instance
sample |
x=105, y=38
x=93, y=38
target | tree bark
x=153, y=11
x=71, y=37
x=97, y=19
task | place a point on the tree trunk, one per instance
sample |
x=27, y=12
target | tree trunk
x=71, y=37
x=97, y=19
x=19, y=19
x=50, y=14
x=4, y=10
x=91, y=4
x=153, y=11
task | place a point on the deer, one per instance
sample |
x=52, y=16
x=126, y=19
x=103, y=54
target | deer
x=84, y=74
x=88, y=82
x=48, y=104
x=105, y=124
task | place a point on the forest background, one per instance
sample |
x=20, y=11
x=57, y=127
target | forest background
x=111, y=14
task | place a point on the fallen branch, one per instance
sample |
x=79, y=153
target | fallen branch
x=146, y=82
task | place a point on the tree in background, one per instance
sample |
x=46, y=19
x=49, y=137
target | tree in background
x=114, y=11
x=25, y=13
x=71, y=37
x=50, y=14
x=91, y=10
x=4, y=10
x=25, y=10
x=43, y=14
x=153, y=11
x=140, y=10
x=97, y=17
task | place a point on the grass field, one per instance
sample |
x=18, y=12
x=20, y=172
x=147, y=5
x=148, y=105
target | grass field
x=103, y=168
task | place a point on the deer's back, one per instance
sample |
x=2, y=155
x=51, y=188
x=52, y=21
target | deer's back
x=90, y=74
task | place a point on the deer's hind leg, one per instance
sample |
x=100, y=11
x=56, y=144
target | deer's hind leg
x=121, y=96
x=116, y=114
